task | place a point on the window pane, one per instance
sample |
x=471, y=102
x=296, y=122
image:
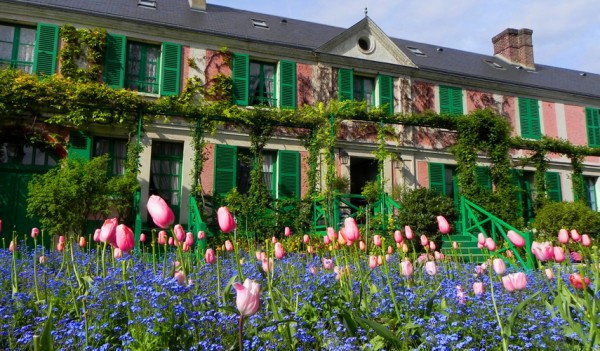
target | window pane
x=27, y=155
x=40, y=157
x=5, y=51
x=7, y=33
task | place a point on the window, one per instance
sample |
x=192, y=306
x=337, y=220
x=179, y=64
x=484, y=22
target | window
x=21, y=152
x=361, y=88
x=154, y=69
x=589, y=184
x=29, y=49
x=484, y=177
x=442, y=178
x=553, y=188
x=592, y=121
x=142, y=67
x=525, y=193
x=280, y=169
x=263, y=83
x=117, y=153
x=529, y=115
x=451, y=100
x=165, y=173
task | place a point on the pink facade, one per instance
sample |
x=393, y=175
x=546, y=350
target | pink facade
x=422, y=174
x=423, y=97
x=549, y=119
x=208, y=171
x=575, y=121
x=304, y=85
x=477, y=100
x=304, y=168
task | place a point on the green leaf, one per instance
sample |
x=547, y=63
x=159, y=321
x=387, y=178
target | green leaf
x=515, y=313
x=380, y=329
x=349, y=323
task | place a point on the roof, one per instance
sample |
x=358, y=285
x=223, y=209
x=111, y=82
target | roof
x=226, y=21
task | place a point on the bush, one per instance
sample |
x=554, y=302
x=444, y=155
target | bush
x=569, y=215
x=420, y=208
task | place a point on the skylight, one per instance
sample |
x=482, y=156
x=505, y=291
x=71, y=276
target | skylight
x=416, y=51
x=496, y=65
x=259, y=23
x=147, y=3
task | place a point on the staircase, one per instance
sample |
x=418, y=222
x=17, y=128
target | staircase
x=467, y=248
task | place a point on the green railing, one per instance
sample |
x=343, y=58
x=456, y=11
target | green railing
x=137, y=228
x=196, y=224
x=325, y=215
x=475, y=220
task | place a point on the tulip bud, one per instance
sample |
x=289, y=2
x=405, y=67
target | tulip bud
x=430, y=268
x=481, y=238
x=189, y=239
x=82, y=242
x=490, y=244
x=142, y=237
x=404, y=248
x=179, y=277
x=408, y=232
x=97, y=235
x=248, y=297
x=362, y=246
x=549, y=273
x=499, y=266
x=578, y=281
x=432, y=246
x=310, y=249
x=12, y=247
x=406, y=268
x=515, y=238
x=372, y=261
x=209, y=256
x=43, y=259
x=351, y=229
x=287, y=231
x=575, y=235
x=455, y=245
x=35, y=232
x=228, y=245
x=125, y=238
x=279, y=252
x=390, y=250
x=162, y=237
x=306, y=239
x=478, y=288
x=563, y=236
x=60, y=246
x=424, y=240
x=443, y=225
x=117, y=253
x=377, y=240
x=171, y=241
x=585, y=240
x=398, y=237
x=559, y=254
x=225, y=219
x=326, y=240
x=201, y=235
x=161, y=213
x=267, y=265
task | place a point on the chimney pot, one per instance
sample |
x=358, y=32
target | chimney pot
x=199, y=5
x=515, y=46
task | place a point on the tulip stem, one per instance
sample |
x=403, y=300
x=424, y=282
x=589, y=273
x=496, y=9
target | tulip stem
x=35, y=282
x=504, y=341
x=103, y=260
x=241, y=333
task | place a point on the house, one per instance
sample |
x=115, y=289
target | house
x=154, y=47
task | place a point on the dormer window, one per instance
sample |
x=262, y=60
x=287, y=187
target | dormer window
x=416, y=51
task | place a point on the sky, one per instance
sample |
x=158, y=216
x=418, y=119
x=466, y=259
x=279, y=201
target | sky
x=566, y=33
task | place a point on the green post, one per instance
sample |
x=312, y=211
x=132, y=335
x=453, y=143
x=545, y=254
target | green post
x=137, y=230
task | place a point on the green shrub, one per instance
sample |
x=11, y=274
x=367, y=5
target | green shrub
x=569, y=215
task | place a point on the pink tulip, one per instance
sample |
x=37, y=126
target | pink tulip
x=61, y=239
x=82, y=242
x=179, y=233
x=585, y=240
x=35, y=232
x=455, y=245
x=430, y=268
x=404, y=248
x=398, y=237
x=390, y=250
x=225, y=219
x=12, y=247
x=499, y=266
x=0, y=226
x=97, y=235
x=372, y=261
x=248, y=297
x=326, y=240
x=43, y=259
x=228, y=245
x=563, y=236
x=438, y=256
x=362, y=246
x=575, y=235
x=267, y=265
x=481, y=238
x=460, y=295
x=279, y=251
x=142, y=237
x=578, y=281
x=125, y=238
x=515, y=238
x=108, y=231
x=510, y=254
x=432, y=246
x=161, y=213
x=543, y=252
x=209, y=256
x=490, y=244
x=327, y=263
x=379, y=260
x=310, y=249
x=480, y=246
x=263, y=256
x=443, y=225
x=408, y=232
x=189, y=239
x=60, y=246
x=351, y=229
x=179, y=277
x=575, y=256
x=273, y=239
x=406, y=268
x=377, y=240
x=117, y=253
x=549, y=273
x=514, y=281
x=478, y=288
x=423, y=258
x=171, y=241
x=559, y=254
x=306, y=239
x=331, y=234
x=201, y=235
x=287, y=231
x=162, y=237
x=424, y=240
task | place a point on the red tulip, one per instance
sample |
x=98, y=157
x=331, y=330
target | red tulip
x=408, y=232
x=407, y=268
x=351, y=229
x=559, y=254
x=279, y=252
x=161, y=213
x=142, y=237
x=585, y=240
x=499, y=266
x=377, y=240
x=225, y=219
x=443, y=225
x=61, y=239
x=515, y=238
x=228, y=245
x=125, y=238
x=398, y=237
x=287, y=231
x=248, y=297
x=430, y=268
x=515, y=281
x=82, y=242
x=578, y=281
x=478, y=288
x=563, y=236
x=108, y=231
x=209, y=256
x=35, y=232
x=179, y=232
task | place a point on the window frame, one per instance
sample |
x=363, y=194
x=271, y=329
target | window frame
x=262, y=85
x=14, y=61
x=383, y=88
x=142, y=80
x=112, y=157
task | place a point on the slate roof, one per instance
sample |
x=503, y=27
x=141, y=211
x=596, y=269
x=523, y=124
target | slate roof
x=221, y=20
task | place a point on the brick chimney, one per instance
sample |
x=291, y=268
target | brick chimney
x=515, y=46
x=199, y=5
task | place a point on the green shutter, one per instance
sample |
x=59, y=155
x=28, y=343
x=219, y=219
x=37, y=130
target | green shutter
x=592, y=119
x=484, y=177
x=114, y=65
x=516, y=181
x=345, y=84
x=287, y=84
x=529, y=116
x=553, y=186
x=171, y=69
x=437, y=177
x=80, y=145
x=288, y=172
x=240, y=74
x=451, y=100
x=225, y=169
x=386, y=92
x=46, y=49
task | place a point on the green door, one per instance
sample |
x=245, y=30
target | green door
x=165, y=173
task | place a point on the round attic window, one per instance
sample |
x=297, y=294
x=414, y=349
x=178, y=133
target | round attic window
x=366, y=45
